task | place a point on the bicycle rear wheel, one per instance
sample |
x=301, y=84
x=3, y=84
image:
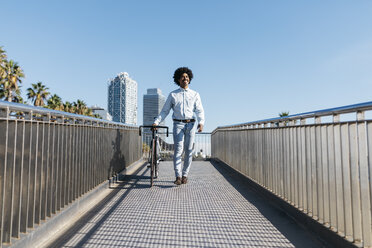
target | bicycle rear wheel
x=156, y=157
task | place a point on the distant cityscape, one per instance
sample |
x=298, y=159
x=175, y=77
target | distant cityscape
x=122, y=105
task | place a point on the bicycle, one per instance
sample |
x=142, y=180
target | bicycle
x=154, y=150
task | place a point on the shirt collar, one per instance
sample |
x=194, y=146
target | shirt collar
x=182, y=89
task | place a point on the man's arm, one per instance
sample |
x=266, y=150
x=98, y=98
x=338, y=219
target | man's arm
x=199, y=111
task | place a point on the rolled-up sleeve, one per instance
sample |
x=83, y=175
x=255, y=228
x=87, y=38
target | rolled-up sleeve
x=199, y=110
x=165, y=110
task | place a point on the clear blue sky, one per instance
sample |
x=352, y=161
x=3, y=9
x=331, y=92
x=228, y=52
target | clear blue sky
x=251, y=59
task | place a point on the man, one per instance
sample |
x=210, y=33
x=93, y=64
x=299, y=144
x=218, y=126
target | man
x=187, y=107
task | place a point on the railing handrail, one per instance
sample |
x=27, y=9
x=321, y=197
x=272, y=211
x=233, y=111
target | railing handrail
x=45, y=111
x=318, y=113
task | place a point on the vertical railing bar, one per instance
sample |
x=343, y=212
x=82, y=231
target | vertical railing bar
x=299, y=168
x=47, y=167
x=70, y=164
x=364, y=183
x=303, y=166
x=369, y=155
x=85, y=157
x=33, y=210
x=332, y=178
x=59, y=165
x=319, y=165
x=21, y=178
x=90, y=156
x=339, y=180
x=291, y=162
x=41, y=172
x=66, y=164
x=314, y=173
x=62, y=170
x=74, y=159
x=355, y=187
x=93, y=155
x=325, y=176
x=28, y=195
x=13, y=181
x=53, y=173
x=4, y=180
x=3, y=184
x=285, y=163
x=86, y=146
x=96, y=156
x=308, y=171
x=80, y=163
x=346, y=170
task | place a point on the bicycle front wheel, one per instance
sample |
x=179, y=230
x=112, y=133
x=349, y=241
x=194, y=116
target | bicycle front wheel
x=153, y=161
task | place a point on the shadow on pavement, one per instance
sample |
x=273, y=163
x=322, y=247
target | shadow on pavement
x=65, y=237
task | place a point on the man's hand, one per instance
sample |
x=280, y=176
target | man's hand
x=154, y=125
x=200, y=128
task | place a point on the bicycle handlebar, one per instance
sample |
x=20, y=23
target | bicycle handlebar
x=153, y=128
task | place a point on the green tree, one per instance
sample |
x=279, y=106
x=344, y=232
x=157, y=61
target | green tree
x=18, y=98
x=3, y=60
x=282, y=114
x=88, y=112
x=80, y=107
x=97, y=116
x=38, y=93
x=12, y=74
x=68, y=107
x=55, y=102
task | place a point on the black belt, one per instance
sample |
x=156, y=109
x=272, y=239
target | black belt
x=185, y=121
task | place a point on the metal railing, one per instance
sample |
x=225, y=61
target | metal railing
x=322, y=168
x=50, y=158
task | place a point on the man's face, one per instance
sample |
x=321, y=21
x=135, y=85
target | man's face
x=184, y=81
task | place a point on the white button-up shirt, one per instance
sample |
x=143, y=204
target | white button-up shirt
x=185, y=103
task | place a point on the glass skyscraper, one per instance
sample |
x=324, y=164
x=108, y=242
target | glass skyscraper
x=122, y=99
x=153, y=102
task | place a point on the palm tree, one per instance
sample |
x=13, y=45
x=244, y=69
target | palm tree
x=2, y=64
x=12, y=76
x=18, y=98
x=38, y=93
x=68, y=107
x=88, y=112
x=97, y=116
x=282, y=114
x=80, y=107
x=55, y=102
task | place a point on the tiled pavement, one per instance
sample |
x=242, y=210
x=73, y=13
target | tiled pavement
x=214, y=209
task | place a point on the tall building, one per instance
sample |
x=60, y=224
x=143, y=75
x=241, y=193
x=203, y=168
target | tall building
x=153, y=102
x=122, y=99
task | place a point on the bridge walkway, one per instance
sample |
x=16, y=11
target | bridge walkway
x=216, y=208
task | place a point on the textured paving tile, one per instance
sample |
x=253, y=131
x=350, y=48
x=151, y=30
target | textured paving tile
x=207, y=212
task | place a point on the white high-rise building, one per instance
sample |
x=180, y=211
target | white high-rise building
x=122, y=99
